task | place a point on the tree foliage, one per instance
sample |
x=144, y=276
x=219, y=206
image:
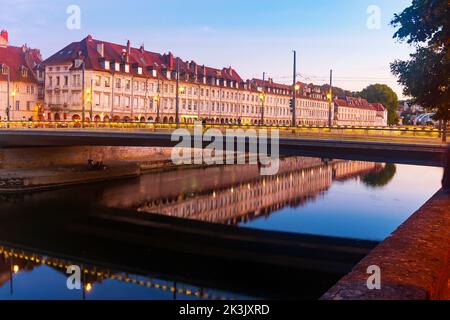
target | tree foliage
x=426, y=76
x=424, y=21
x=383, y=94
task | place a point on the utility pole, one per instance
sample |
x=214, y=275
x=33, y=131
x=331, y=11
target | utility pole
x=177, y=99
x=263, y=98
x=330, y=101
x=294, y=118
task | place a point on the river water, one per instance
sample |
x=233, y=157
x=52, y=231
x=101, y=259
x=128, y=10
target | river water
x=325, y=199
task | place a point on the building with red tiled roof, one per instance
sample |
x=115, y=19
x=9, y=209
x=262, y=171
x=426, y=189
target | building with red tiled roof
x=22, y=65
x=104, y=81
x=132, y=84
x=359, y=112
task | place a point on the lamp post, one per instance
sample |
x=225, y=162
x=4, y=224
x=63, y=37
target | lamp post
x=330, y=100
x=83, y=107
x=296, y=91
x=8, y=80
x=13, y=94
x=156, y=101
x=294, y=118
x=263, y=98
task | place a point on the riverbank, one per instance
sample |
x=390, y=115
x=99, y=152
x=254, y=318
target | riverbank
x=414, y=261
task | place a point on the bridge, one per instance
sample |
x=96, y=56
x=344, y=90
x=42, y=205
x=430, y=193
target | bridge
x=427, y=154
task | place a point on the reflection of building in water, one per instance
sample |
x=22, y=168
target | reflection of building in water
x=344, y=170
x=14, y=261
x=262, y=195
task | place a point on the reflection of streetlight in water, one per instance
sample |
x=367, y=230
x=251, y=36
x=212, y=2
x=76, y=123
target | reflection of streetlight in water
x=88, y=287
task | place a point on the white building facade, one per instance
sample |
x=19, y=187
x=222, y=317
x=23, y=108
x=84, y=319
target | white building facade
x=122, y=83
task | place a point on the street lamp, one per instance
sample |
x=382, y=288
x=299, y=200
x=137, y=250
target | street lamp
x=8, y=77
x=83, y=110
x=330, y=100
x=13, y=94
x=156, y=100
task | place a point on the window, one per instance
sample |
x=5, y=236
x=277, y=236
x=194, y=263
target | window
x=118, y=83
x=28, y=105
x=107, y=82
x=57, y=81
x=17, y=105
x=24, y=72
x=106, y=100
x=97, y=99
x=128, y=84
x=66, y=80
x=98, y=80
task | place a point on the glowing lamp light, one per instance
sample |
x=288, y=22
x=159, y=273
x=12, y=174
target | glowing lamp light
x=88, y=287
x=13, y=93
x=297, y=87
x=16, y=268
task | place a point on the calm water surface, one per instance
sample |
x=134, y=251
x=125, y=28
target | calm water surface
x=334, y=198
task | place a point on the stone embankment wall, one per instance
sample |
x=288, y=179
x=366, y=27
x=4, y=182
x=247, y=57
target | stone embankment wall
x=48, y=157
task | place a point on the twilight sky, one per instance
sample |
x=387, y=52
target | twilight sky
x=252, y=36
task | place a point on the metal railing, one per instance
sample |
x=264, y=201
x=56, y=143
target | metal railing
x=305, y=130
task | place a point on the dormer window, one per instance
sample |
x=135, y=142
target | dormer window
x=127, y=68
x=154, y=73
x=24, y=72
x=139, y=70
x=117, y=66
x=106, y=65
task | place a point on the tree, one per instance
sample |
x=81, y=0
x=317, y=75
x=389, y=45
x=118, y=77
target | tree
x=424, y=21
x=385, y=95
x=426, y=77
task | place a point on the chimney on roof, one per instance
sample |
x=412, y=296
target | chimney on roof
x=142, y=48
x=89, y=38
x=101, y=49
x=170, y=62
x=204, y=70
x=128, y=47
x=4, y=38
x=193, y=67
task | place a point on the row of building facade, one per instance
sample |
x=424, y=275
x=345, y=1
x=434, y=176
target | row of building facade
x=104, y=81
